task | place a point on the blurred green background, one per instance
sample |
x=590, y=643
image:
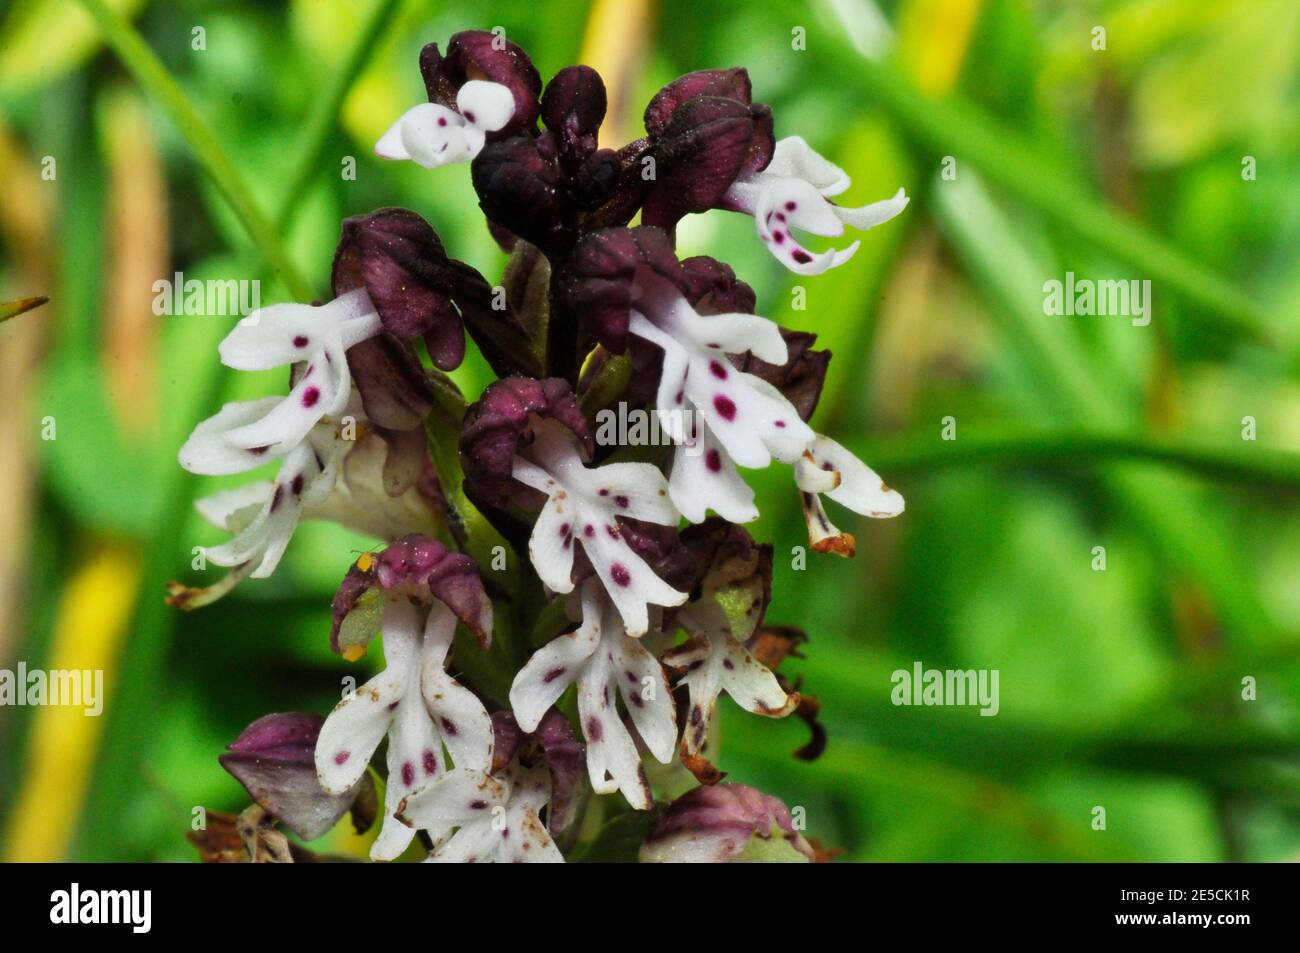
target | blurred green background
x=1171, y=155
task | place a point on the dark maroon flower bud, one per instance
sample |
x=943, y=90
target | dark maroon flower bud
x=419, y=569
x=600, y=284
x=573, y=107
x=724, y=83
x=479, y=54
x=713, y=288
x=800, y=378
x=521, y=189
x=501, y=424
x=705, y=132
x=552, y=742
x=706, y=146
x=416, y=289
x=723, y=824
x=274, y=759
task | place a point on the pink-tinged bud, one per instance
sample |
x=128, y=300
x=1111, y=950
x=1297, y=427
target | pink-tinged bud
x=419, y=569
x=726, y=823
x=273, y=758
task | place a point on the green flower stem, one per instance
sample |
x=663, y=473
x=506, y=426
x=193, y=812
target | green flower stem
x=1249, y=464
x=325, y=109
x=153, y=77
x=957, y=127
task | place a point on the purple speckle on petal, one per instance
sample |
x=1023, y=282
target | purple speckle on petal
x=449, y=726
x=297, y=485
x=300, y=341
x=589, y=531
x=717, y=370
x=594, y=729
x=618, y=572
x=430, y=763
x=725, y=407
x=621, y=501
x=781, y=424
x=713, y=460
x=790, y=206
x=612, y=531
x=408, y=774
x=801, y=256
x=277, y=496
x=310, y=396
x=342, y=757
x=553, y=674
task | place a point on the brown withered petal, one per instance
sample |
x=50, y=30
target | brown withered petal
x=422, y=570
x=480, y=54
x=273, y=758
x=500, y=424
x=800, y=378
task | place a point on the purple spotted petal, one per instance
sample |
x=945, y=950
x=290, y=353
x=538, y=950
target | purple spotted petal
x=479, y=54
x=500, y=424
x=274, y=759
x=800, y=378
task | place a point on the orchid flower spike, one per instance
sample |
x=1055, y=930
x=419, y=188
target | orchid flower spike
x=795, y=192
